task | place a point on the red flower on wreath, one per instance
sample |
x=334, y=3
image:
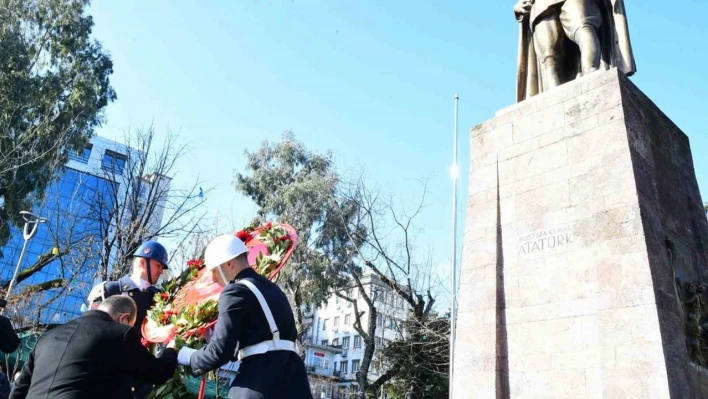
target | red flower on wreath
x=195, y=264
x=165, y=296
x=268, y=226
x=244, y=236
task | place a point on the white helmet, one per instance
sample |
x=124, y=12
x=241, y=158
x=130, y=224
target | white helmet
x=222, y=249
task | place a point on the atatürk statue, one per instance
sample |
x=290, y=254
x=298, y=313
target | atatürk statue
x=564, y=39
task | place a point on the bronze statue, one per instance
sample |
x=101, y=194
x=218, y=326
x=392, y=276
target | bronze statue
x=561, y=40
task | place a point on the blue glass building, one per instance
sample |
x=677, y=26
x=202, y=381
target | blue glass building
x=76, y=208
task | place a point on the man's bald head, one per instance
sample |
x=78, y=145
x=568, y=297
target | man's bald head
x=122, y=309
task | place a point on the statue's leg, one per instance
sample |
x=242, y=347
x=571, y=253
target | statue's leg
x=581, y=20
x=548, y=39
x=586, y=38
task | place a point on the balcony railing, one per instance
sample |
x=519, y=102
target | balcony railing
x=79, y=157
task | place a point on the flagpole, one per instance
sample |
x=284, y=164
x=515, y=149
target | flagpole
x=455, y=172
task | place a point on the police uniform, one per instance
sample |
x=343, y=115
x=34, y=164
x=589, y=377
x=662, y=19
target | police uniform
x=256, y=325
x=144, y=300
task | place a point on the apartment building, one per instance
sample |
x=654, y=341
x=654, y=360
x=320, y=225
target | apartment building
x=334, y=348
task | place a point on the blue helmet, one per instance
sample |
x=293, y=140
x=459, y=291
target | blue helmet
x=152, y=250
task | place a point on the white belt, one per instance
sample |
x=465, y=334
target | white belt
x=276, y=344
x=268, y=346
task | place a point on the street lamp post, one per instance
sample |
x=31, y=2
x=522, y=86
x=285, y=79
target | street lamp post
x=455, y=173
x=30, y=229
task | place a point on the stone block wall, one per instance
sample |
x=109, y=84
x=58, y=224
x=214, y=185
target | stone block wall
x=566, y=287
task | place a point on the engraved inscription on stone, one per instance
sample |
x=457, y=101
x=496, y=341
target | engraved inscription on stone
x=545, y=240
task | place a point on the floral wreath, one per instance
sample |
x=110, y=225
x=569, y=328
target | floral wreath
x=188, y=306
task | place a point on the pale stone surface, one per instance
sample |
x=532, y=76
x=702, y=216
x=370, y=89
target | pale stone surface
x=580, y=182
x=538, y=123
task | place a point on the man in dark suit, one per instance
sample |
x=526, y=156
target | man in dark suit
x=255, y=315
x=89, y=358
x=149, y=262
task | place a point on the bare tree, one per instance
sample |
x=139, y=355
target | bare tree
x=94, y=228
x=142, y=205
x=385, y=241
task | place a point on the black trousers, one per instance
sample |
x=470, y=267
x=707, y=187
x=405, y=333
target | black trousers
x=272, y=375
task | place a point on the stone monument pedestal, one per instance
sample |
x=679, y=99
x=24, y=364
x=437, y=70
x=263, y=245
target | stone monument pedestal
x=583, y=211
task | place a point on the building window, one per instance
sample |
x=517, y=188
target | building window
x=326, y=364
x=324, y=324
x=378, y=343
x=355, y=366
x=113, y=162
x=336, y=321
x=357, y=342
x=324, y=342
x=335, y=342
x=343, y=367
x=347, y=320
x=335, y=366
x=83, y=155
x=345, y=343
x=379, y=320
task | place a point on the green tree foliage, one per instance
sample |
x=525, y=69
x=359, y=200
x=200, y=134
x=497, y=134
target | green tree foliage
x=54, y=85
x=294, y=185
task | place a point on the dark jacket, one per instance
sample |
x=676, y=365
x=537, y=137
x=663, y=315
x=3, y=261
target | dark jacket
x=144, y=300
x=9, y=341
x=89, y=358
x=277, y=374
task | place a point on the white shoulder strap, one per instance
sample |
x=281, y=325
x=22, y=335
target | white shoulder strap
x=264, y=306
